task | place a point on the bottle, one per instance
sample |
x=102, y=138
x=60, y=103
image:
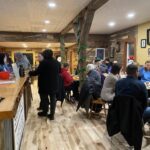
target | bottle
x=21, y=71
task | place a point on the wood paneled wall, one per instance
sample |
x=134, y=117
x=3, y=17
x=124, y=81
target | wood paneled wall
x=121, y=39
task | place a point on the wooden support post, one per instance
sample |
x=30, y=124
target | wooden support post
x=63, y=51
x=81, y=29
x=82, y=24
x=88, y=18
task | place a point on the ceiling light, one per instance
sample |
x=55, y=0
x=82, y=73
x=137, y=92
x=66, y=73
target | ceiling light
x=46, y=21
x=52, y=5
x=49, y=45
x=131, y=15
x=111, y=24
x=44, y=30
x=24, y=45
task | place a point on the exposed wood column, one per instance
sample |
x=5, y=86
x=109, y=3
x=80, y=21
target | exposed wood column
x=81, y=25
x=63, y=50
x=82, y=45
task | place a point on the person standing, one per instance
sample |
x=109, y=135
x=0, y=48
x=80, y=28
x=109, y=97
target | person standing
x=48, y=72
x=40, y=58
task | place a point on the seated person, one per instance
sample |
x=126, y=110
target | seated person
x=132, y=86
x=108, y=64
x=69, y=84
x=144, y=72
x=90, y=89
x=68, y=79
x=103, y=67
x=22, y=60
x=5, y=64
x=108, y=89
x=97, y=64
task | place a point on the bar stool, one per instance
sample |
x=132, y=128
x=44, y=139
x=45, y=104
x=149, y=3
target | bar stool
x=98, y=101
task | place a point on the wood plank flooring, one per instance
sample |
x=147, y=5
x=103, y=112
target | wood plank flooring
x=70, y=130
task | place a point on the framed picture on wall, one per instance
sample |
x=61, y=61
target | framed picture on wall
x=148, y=36
x=143, y=43
x=100, y=53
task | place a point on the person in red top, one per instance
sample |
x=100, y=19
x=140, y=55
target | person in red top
x=69, y=84
x=68, y=80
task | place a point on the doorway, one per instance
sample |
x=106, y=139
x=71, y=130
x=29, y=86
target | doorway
x=130, y=53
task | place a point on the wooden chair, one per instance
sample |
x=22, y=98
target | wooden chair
x=97, y=102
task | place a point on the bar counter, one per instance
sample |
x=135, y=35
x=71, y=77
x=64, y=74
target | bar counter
x=13, y=112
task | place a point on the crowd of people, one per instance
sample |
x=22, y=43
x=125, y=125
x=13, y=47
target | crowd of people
x=103, y=80
x=127, y=97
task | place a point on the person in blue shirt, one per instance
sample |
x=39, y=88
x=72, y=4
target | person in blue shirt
x=144, y=72
x=5, y=65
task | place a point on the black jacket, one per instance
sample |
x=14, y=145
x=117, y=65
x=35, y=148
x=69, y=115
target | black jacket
x=60, y=95
x=48, y=76
x=89, y=88
x=125, y=116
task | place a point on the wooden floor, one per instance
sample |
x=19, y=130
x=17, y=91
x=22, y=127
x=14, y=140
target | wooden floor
x=70, y=130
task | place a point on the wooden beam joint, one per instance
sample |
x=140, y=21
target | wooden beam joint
x=93, y=6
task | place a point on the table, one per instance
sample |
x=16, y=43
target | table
x=75, y=77
x=13, y=112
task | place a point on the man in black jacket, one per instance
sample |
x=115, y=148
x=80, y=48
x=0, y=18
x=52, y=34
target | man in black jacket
x=132, y=86
x=125, y=114
x=48, y=72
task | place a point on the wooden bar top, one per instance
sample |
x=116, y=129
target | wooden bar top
x=10, y=92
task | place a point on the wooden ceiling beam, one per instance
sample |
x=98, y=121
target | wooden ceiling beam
x=94, y=40
x=96, y=4
x=93, y=5
x=29, y=37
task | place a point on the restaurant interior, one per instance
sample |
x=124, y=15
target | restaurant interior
x=78, y=31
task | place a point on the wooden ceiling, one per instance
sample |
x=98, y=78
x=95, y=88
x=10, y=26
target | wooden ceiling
x=29, y=15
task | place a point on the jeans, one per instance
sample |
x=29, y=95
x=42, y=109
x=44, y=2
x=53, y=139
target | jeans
x=45, y=102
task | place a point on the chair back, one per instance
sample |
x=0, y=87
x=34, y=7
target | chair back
x=125, y=116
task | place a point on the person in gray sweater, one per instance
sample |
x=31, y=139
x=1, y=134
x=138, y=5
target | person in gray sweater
x=108, y=89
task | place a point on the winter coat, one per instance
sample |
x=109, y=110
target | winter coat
x=125, y=116
x=60, y=95
x=48, y=76
x=90, y=88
